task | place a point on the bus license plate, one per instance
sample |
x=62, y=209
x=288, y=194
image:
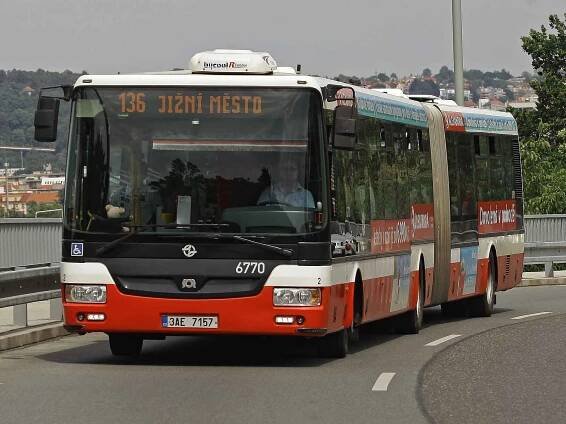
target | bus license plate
x=189, y=321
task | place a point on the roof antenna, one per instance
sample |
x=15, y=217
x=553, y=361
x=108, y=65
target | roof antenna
x=298, y=68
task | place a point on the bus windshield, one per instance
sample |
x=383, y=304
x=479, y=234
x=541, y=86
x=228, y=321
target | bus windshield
x=244, y=160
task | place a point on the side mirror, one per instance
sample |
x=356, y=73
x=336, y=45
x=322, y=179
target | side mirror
x=344, y=129
x=46, y=119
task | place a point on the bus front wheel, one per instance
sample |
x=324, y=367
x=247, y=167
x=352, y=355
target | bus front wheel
x=125, y=344
x=334, y=345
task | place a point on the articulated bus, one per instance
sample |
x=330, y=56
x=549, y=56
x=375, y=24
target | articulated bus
x=239, y=197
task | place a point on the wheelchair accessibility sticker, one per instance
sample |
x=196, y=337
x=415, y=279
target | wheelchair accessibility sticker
x=76, y=249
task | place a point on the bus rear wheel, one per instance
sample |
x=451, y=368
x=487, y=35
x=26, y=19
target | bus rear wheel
x=334, y=345
x=125, y=344
x=411, y=322
x=482, y=306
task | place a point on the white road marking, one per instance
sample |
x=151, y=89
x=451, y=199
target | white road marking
x=443, y=339
x=382, y=382
x=531, y=315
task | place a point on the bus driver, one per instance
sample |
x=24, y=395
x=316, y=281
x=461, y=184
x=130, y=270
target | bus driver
x=285, y=189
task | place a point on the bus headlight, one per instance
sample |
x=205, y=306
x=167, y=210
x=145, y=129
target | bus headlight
x=296, y=297
x=79, y=293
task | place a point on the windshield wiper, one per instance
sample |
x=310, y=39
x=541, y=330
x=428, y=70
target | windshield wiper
x=166, y=226
x=107, y=247
x=136, y=229
x=280, y=250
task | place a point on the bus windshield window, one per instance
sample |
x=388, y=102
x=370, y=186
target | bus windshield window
x=249, y=159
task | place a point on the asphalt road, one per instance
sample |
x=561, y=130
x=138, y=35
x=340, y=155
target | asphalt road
x=496, y=370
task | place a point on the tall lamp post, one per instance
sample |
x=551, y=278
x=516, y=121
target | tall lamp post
x=458, y=55
x=6, y=164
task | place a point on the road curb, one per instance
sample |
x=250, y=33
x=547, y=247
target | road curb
x=31, y=335
x=547, y=281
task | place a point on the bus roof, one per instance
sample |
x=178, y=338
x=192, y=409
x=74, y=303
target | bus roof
x=244, y=68
x=401, y=109
x=176, y=78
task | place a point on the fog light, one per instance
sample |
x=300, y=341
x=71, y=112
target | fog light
x=300, y=320
x=95, y=317
x=80, y=316
x=284, y=320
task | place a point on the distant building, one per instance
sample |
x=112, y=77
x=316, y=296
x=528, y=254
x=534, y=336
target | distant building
x=492, y=103
x=496, y=104
x=40, y=197
x=9, y=171
x=450, y=94
x=48, y=181
x=28, y=90
x=522, y=105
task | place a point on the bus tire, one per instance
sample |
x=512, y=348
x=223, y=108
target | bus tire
x=482, y=306
x=453, y=309
x=411, y=322
x=334, y=345
x=354, y=330
x=125, y=344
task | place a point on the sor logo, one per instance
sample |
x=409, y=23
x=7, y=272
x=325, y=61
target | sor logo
x=188, y=284
x=189, y=250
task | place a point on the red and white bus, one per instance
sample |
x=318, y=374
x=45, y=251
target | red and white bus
x=239, y=197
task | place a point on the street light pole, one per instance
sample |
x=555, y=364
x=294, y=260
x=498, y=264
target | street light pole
x=458, y=54
x=6, y=188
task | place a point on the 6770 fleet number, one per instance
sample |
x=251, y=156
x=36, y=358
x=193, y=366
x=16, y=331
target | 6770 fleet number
x=250, y=268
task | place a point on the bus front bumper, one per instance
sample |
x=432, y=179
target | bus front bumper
x=253, y=315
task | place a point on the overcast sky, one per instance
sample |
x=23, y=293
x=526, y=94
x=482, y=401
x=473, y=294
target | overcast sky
x=326, y=37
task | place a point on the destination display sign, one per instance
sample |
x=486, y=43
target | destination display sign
x=472, y=122
x=140, y=102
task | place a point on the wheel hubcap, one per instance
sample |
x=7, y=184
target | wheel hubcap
x=419, y=306
x=489, y=291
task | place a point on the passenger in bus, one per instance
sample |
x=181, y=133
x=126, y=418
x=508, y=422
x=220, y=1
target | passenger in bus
x=468, y=203
x=285, y=188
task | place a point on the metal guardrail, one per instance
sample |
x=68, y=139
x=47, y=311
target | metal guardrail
x=30, y=254
x=545, y=241
x=545, y=228
x=20, y=305
x=29, y=242
x=30, y=251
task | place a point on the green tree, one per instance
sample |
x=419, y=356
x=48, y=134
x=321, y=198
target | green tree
x=51, y=210
x=542, y=131
x=445, y=75
x=473, y=74
x=545, y=176
x=382, y=77
x=547, y=49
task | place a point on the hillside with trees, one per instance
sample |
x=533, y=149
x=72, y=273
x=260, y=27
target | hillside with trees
x=19, y=91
